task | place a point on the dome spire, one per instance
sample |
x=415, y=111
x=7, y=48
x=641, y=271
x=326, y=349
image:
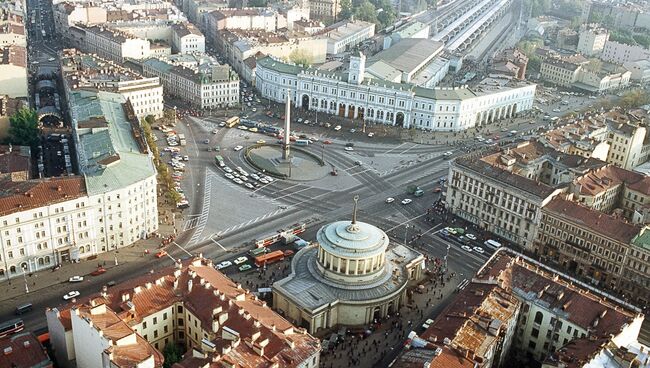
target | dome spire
x=353, y=225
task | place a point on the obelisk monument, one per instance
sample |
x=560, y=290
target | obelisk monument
x=286, y=151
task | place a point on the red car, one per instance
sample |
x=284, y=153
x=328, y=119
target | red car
x=437, y=190
x=288, y=253
x=327, y=142
x=161, y=254
x=99, y=271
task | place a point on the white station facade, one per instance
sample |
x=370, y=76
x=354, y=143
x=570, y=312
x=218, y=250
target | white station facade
x=355, y=96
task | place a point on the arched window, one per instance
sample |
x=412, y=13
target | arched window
x=539, y=317
x=12, y=269
x=47, y=259
x=41, y=262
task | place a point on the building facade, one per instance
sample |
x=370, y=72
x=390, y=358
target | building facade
x=355, y=96
x=324, y=9
x=187, y=39
x=620, y=53
x=204, y=86
x=592, y=39
x=81, y=70
x=110, y=44
x=191, y=305
x=13, y=71
x=525, y=310
x=346, y=34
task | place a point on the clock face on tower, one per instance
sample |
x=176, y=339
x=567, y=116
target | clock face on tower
x=354, y=65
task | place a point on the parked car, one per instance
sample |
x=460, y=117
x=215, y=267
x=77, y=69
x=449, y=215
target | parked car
x=478, y=250
x=223, y=265
x=390, y=200
x=245, y=267
x=76, y=279
x=71, y=295
x=241, y=260
x=407, y=201
x=466, y=248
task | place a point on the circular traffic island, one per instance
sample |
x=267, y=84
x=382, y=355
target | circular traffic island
x=301, y=165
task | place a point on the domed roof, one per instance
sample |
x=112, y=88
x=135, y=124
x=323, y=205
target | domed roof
x=352, y=239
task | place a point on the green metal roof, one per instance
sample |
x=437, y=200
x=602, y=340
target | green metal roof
x=111, y=157
x=643, y=239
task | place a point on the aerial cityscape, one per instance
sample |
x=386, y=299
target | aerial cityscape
x=325, y=183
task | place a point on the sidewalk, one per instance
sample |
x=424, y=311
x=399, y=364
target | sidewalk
x=47, y=278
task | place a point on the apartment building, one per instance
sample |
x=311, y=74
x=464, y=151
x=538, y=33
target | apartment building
x=8, y=107
x=639, y=70
x=199, y=80
x=591, y=39
x=503, y=192
x=511, y=62
x=620, y=53
x=82, y=71
x=346, y=34
x=13, y=71
x=597, y=247
x=260, y=19
x=616, y=136
x=190, y=304
x=560, y=72
x=626, y=141
x=476, y=330
x=187, y=39
x=579, y=73
x=23, y=350
x=238, y=45
x=324, y=9
x=12, y=34
x=527, y=310
x=110, y=206
x=108, y=43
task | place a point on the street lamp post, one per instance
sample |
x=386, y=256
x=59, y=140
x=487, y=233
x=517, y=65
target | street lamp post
x=25, y=278
x=406, y=227
x=447, y=256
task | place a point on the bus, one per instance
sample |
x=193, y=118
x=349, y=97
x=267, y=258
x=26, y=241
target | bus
x=268, y=258
x=257, y=251
x=301, y=142
x=232, y=121
x=11, y=327
x=219, y=161
x=492, y=244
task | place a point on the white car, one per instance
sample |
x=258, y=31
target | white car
x=269, y=179
x=76, y=279
x=407, y=201
x=390, y=200
x=223, y=265
x=238, y=181
x=337, y=128
x=447, y=154
x=186, y=158
x=230, y=176
x=71, y=295
x=241, y=260
x=215, y=131
x=349, y=149
x=470, y=236
x=478, y=250
x=238, y=148
x=466, y=248
x=51, y=59
x=227, y=169
x=249, y=186
x=255, y=177
x=370, y=135
x=263, y=181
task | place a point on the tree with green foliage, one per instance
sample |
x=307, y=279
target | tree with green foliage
x=346, y=9
x=622, y=36
x=366, y=11
x=634, y=99
x=173, y=354
x=256, y=3
x=642, y=40
x=300, y=57
x=23, y=128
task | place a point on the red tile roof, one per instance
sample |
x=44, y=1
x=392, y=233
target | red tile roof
x=203, y=291
x=23, y=351
x=601, y=223
x=25, y=195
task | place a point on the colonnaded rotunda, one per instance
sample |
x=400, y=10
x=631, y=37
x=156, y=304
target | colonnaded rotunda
x=348, y=277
